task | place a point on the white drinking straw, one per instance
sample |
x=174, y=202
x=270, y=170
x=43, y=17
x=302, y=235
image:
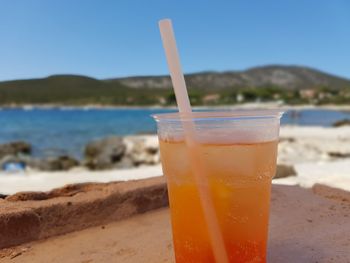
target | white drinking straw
x=200, y=176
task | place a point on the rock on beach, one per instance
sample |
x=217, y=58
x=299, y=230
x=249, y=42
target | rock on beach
x=117, y=152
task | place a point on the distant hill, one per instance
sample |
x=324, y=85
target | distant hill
x=279, y=81
x=288, y=77
x=69, y=90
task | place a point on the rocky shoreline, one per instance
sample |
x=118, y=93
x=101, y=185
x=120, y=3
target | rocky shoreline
x=107, y=153
x=297, y=144
x=305, y=154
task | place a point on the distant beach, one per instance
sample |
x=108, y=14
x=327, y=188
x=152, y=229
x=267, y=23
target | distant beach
x=253, y=105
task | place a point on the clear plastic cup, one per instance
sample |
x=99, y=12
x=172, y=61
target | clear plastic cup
x=238, y=150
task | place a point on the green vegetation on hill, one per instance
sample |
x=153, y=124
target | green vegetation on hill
x=292, y=85
x=72, y=90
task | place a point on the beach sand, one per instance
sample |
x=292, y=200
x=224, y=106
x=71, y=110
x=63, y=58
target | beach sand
x=45, y=181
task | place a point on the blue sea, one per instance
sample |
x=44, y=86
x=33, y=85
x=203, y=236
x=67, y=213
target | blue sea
x=54, y=132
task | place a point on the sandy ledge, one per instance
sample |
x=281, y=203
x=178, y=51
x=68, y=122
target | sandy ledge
x=306, y=226
x=31, y=216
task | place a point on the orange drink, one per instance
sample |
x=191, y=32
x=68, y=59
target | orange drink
x=239, y=162
x=240, y=178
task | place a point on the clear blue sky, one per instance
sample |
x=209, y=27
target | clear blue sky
x=114, y=38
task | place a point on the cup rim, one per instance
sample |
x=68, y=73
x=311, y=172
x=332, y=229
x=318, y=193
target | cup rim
x=228, y=114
